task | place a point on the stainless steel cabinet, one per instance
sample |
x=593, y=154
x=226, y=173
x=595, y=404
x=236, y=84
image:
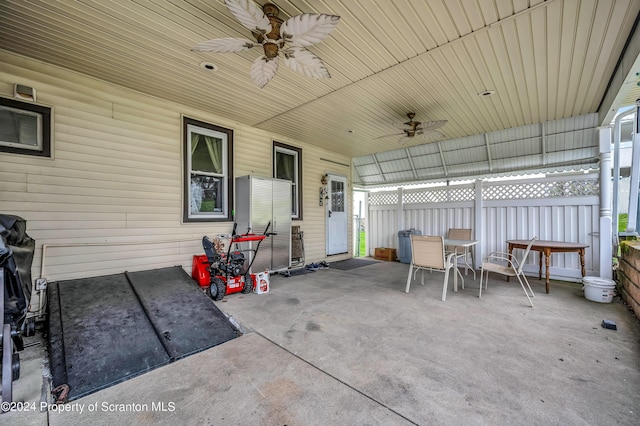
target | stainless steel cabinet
x=259, y=201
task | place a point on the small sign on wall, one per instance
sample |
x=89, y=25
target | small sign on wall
x=323, y=195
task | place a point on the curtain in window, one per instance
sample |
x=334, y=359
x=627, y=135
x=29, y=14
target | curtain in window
x=195, y=138
x=207, y=156
x=286, y=167
x=214, y=146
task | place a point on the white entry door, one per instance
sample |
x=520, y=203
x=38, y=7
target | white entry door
x=337, y=215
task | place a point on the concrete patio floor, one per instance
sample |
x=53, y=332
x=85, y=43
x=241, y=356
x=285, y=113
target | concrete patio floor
x=336, y=347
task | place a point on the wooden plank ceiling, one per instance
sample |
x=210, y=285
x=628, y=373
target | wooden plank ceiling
x=546, y=60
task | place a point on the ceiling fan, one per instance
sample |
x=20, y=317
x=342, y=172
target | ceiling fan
x=279, y=39
x=415, y=129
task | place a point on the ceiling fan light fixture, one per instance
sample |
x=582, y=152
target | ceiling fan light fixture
x=287, y=39
x=416, y=129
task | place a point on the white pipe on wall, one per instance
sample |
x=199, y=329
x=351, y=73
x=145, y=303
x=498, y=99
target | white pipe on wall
x=105, y=244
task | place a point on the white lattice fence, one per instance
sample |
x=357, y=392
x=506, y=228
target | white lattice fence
x=563, y=209
x=533, y=190
x=438, y=195
x=383, y=198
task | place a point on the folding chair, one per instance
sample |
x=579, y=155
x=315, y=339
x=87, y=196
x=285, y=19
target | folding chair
x=461, y=252
x=427, y=252
x=513, y=268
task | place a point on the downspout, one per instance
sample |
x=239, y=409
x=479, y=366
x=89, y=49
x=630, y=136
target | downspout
x=632, y=223
x=617, y=136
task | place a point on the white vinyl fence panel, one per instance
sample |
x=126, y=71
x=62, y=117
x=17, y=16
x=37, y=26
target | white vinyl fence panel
x=561, y=209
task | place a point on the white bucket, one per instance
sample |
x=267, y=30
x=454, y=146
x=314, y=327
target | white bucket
x=598, y=289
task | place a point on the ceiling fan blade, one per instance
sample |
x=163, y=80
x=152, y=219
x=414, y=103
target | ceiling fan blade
x=250, y=15
x=432, y=125
x=430, y=135
x=263, y=70
x=308, y=28
x=223, y=45
x=386, y=136
x=304, y=62
x=435, y=134
x=404, y=140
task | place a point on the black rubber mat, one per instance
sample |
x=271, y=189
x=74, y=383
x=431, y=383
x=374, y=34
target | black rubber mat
x=182, y=314
x=104, y=330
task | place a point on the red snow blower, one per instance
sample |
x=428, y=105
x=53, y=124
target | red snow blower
x=227, y=271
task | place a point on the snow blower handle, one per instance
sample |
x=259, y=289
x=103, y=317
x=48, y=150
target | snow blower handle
x=268, y=234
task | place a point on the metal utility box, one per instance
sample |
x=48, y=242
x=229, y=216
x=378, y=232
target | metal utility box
x=404, y=244
x=261, y=200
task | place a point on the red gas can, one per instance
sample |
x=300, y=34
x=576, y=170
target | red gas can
x=200, y=271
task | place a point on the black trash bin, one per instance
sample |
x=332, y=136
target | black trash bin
x=404, y=244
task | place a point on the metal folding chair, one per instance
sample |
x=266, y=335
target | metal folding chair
x=508, y=265
x=427, y=252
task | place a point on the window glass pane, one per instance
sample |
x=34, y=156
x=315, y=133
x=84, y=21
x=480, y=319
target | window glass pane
x=206, y=153
x=20, y=128
x=285, y=166
x=208, y=165
x=294, y=200
x=197, y=193
x=337, y=196
x=207, y=194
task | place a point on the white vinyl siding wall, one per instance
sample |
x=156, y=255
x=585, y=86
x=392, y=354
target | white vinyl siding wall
x=113, y=191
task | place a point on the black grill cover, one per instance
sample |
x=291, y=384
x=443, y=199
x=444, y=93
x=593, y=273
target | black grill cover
x=16, y=257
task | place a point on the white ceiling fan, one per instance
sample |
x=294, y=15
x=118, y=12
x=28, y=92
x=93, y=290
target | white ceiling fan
x=279, y=39
x=415, y=129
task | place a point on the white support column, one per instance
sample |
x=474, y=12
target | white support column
x=606, y=242
x=478, y=225
x=367, y=221
x=632, y=225
x=400, y=211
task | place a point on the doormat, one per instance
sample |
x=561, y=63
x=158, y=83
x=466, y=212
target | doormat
x=349, y=264
x=105, y=330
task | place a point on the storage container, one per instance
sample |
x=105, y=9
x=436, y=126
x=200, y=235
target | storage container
x=404, y=244
x=384, y=253
x=599, y=289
